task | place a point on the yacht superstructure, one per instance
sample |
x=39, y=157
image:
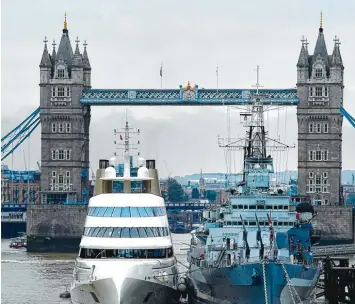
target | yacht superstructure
x=126, y=252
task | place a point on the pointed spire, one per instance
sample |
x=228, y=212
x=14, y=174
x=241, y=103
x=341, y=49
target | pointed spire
x=303, y=58
x=321, y=22
x=336, y=56
x=77, y=58
x=86, y=61
x=46, y=60
x=54, y=54
x=64, y=49
x=65, y=28
x=320, y=48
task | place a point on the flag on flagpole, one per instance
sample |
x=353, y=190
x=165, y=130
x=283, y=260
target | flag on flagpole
x=161, y=70
x=121, y=137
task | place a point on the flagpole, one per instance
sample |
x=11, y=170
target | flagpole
x=161, y=76
x=217, y=77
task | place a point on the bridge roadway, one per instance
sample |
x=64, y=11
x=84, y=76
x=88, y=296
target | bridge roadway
x=188, y=96
x=334, y=250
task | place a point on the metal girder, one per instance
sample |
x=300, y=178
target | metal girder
x=348, y=116
x=189, y=96
x=19, y=134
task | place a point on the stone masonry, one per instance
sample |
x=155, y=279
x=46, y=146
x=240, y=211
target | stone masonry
x=64, y=122
x=320, y=91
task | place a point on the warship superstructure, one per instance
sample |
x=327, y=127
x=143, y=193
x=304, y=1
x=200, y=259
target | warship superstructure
x=256, y=247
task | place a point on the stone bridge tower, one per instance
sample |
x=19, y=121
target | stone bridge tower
x=320, y=91
x=64, y=122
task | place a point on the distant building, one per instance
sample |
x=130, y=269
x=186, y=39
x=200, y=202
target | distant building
x=15, y=186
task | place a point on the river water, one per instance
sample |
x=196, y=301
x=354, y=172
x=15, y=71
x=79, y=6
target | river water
x=33, y=278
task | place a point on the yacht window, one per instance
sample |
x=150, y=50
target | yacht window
x=155, y=211
x=134, y=212
x=117, y=212
x=116, y=232
x=149, y=232
x=149, y=211
x=235, y=207
x=280, y=207
x=240, y=223
x=142, y=232
x=252, y=223
x=86, y=231
x=245, y=207
x=108, y=232
x=234, y=223
x=95, y=231
x=252, y=207
x=285, y=207
x=125, y=233
x=134, y=233
x=96, y=211
x=290, y=223
x=101, y=232
x=160, y=231
x=142, y=212
x=269, y=207
x=281, y=223
x=275, y=224
x=240, y=206
x=108, y=211
x=125, y=212
x=229, y=223
x=101, y=211
x=260, y=207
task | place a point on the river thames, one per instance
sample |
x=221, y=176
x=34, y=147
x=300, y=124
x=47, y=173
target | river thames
x=34, y=278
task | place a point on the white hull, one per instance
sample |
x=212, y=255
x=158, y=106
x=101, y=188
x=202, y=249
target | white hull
x=123, y=282
x=132, y=291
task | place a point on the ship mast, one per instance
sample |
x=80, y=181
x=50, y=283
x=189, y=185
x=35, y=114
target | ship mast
x=127, y=146
x=256, y=161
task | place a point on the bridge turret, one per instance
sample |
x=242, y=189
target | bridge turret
x=303, y=64
x=45, y=65
x=320, y=124
x=77, y=65
x=87, y=67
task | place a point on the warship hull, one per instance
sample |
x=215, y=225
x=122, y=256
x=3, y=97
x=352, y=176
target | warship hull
x=244, y=284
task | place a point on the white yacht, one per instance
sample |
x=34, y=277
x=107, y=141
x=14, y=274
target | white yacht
x=126, y=252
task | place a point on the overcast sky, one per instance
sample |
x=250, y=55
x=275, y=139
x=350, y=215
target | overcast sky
x=127, y=41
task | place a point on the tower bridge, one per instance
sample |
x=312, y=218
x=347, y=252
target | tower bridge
x=64, y=113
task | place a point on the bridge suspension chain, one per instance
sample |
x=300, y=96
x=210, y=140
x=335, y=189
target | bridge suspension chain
x=291, y=287
x=264, y=278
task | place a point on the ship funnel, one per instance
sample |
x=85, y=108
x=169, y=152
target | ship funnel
x=153, y=173
x=103, y=164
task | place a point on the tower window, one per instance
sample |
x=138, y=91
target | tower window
x=325, y=174
x=61, y=155
x=67, y=91
x=60, y=128
x=325, y=128
x=53, y=174
x=318, y=180
x=311, y=91
x=319, y=73
x=68, y=127
x=319, y=129
x=325, y=155
x=54, y=127
x=325, y=91
x=310, y=174
x=319, y=91
x=53, y=155
x=67, y=154
x=67, y=174
x=318, y=155
x=310, y=128
x=60, y=179
x=53, y=92
x=60, y=73
x=61, y=92
x=310, y=155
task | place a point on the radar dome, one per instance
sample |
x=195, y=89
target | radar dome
x=112, y=161
x=143, y=172
x=141, y=161
x=110, y=172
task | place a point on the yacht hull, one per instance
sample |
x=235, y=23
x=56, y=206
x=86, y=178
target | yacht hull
x=244, y=284
x=130, y=291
